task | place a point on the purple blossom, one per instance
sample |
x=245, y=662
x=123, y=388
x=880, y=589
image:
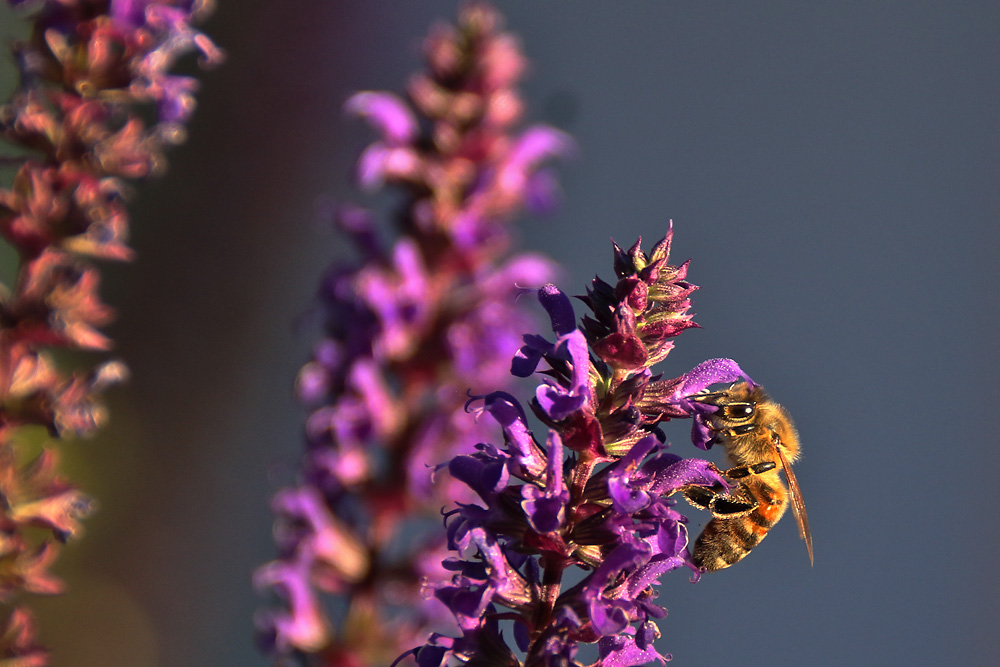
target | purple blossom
x=388, y=114
x=570, y=346
x=527, y=458
x=485, y=471
x=608, y=613
x=624, y=650
x=626, y=480
x=545, y=507
x=304, y=624
x=560, y=402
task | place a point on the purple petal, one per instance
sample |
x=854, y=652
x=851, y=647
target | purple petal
x=540, y=143
x=467, y=602
x=628, y=497
x=671, y=539
x=622, y=651
x=312, y=383
x=707, y=373
x=684, y=472
x=649, y=573
x=381, y=161
x=511, y=588
x=559, y=308
x=526, y=359
x=429, y=656
x=541, y=192
x=388, y=114
x=545, y=513
x=545, y=508
x=526, y=270
x=131, y=13
x=610, y=616
x=304, y=626
x=510, y=415
x=484, y=472
x=176, y=102
x=701, y=434
x=358, y=223
x=560, y=402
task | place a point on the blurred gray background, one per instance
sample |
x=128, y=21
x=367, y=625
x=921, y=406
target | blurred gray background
x=832, y=170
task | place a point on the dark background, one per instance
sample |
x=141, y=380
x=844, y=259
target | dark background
x=831, y=168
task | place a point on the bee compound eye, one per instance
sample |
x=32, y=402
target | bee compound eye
x=739, y=411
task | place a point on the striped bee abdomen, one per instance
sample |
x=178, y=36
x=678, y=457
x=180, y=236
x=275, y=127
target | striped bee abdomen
x=726, y=541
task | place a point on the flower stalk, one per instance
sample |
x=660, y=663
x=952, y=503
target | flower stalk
x=425, y=315
x=74, y=137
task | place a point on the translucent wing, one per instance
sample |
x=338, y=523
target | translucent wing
x=798, y=507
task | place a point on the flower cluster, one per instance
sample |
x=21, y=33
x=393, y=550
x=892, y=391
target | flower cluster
x=424, y=315
x=594, y=497
x=88, y=73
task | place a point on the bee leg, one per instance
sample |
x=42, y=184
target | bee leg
x=726, y=507
x=700, y=497
x=720, y=504
x=735, y=503
x=740, y=472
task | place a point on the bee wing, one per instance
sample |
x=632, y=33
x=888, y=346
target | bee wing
x=798, y=507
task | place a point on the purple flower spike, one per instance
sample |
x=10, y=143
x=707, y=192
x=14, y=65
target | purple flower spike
x=96, y=107
x=419, y=323
x=600, y=401
x=424, y=315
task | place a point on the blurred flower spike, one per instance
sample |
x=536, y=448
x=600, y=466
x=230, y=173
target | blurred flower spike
x=595, y=497
x=73, y=137
x=425, y=314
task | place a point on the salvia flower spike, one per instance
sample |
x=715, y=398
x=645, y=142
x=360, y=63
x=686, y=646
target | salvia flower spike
x=74, y=135
x=594, y=495
x=419, y=320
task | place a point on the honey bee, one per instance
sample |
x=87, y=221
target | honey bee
x=759, y=436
